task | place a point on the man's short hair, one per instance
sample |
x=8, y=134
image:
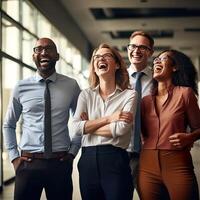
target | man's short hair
x=144, y=34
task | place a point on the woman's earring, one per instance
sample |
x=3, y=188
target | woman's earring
x=174, y=69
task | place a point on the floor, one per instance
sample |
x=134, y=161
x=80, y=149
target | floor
x=7, y=193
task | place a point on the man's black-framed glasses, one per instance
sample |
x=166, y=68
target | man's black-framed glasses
x=132, y=47
x=48, y=49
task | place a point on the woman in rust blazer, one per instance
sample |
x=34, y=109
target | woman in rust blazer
x=170, y=126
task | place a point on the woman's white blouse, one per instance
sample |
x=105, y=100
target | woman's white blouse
x=91, y=102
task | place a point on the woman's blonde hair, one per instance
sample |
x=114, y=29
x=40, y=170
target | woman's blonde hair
x=121, y=74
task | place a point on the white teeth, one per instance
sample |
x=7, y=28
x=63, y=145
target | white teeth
x=157, y=69
x=44, y=60
x=102, y=66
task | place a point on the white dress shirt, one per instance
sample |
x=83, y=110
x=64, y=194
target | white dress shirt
x=91, y=102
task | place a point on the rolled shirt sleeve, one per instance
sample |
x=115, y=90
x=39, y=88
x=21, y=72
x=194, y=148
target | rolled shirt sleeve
x=9, y=128
x=120, y=128
x=77, y=123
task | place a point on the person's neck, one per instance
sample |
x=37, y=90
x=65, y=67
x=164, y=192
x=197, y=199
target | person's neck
x=163, y=87
x=107, y=87
x=46, y=75
x=138, y=68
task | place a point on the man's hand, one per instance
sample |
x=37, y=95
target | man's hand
x=69, y=157
x=181, y=140
x=17, y=161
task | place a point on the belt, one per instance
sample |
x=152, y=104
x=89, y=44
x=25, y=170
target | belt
x=55, y=155
x=102, y=149
x=133, y=155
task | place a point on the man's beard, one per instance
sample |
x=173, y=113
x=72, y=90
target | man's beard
x=48, y=68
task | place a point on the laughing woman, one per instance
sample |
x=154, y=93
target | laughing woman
x=166, y=167
x=104, y=117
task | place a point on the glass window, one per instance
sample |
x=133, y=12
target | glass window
x=55, y=36
x=29, y=15
x=63, y=67
x=28, y=42
x=62, y=46
x=76, y=61
x=82, y=81
x=11, y=8
x=10, y=76
x=43, y=27
x=10, y=39
x=27, y=72
x=69, y=53
x=85, y=68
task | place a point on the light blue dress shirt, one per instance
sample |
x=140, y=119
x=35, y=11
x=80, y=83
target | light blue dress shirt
x=27, y=101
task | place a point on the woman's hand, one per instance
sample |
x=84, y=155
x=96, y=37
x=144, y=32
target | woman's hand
x=84, y=116
x=121, y=116
x=181, y=140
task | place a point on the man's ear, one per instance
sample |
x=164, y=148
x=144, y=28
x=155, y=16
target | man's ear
x=151, y=52
x=57, y=56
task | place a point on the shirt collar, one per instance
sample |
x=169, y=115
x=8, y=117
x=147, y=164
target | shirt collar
x=52, y=77
x=97, y=88
x=169, y=90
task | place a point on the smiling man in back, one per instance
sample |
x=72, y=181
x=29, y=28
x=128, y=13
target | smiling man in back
x=44, y=156
x=140, y=50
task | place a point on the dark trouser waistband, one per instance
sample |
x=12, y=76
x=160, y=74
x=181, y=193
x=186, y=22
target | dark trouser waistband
x=55, y=155
x=102, y=149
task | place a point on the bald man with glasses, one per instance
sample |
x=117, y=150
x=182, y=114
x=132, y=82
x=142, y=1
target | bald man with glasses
x=44, y=156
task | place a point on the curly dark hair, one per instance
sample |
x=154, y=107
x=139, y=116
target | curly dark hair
x=185, y=75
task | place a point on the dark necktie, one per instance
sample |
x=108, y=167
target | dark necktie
x=137, y=130
x=47, y=122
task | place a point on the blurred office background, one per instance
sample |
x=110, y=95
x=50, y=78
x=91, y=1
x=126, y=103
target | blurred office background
x=77, y=27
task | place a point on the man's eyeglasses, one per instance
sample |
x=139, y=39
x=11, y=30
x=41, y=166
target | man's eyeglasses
x=104, y=56
x=132, y=47
x=48, y=49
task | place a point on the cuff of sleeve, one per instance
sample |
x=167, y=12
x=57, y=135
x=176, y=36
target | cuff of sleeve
x=82, y=127
x=13, y=153
x=79, y=129
x=74, y=150
x=113, y=129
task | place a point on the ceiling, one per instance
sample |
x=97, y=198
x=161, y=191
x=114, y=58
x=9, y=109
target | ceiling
x=172, y=23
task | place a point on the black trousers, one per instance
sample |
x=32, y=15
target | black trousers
x=53, y=175
x=104, y=173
